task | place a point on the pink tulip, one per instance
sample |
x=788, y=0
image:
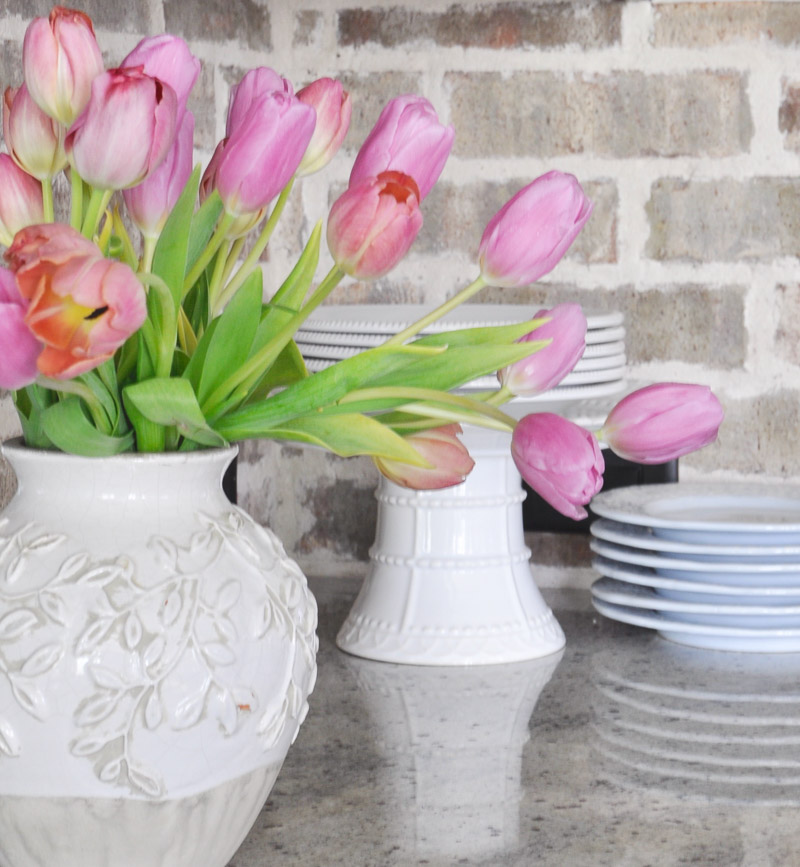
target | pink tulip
x=449, y=459
x=60, y=59
x=150, y=202
x=34, y=140
x=20, y=199
x=125, y=131
x=333, y=107
x=261, y=154
x=82, y=306
x=373, y=223
x=529, y=235
x=256, y=83
x=566, y=329
x=407, y=138
x=168, y=59
x=662, y=422
x=20, y=347
x=559, y=460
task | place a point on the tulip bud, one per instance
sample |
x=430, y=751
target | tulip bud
x=333, y=107
x=407, y=138
x=81, y=306
x=20, y=347
x=60, y=59
x=34, y=140
x=168, y=59
x=261, y=154
x=20, y=199
x=566, y=329
x=529, y=235
x=559, y=460
x=150, y=202
x=126, y=130
x=254, y=84
x=449, y=459
x=373, y=223
x=662, y=422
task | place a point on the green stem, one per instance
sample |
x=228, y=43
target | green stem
x=148, y=251
x=216, y=304
x=441, y=310
x=501, y=396
x=76, y=205
x=234, y=254
x=97, y=204
x=253, y=369
x=47, y=201
x=260, y=245
x=217, y=239
x=79, y=389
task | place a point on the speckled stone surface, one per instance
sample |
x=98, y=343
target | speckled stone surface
x=623, y=750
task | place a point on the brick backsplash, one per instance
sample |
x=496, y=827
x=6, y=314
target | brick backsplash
x=682, y=120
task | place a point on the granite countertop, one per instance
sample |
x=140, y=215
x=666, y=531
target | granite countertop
x=624, y=749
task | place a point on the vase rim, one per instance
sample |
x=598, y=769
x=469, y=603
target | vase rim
x=16, y=446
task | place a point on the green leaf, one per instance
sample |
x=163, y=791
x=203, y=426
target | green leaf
x=70, y=430
x=229, y=346
x=30, y=403
x=319, y=390
x=169, y=260
x=171, y=402
x=296, y=286
x=346, y=436
x=490, y=334
x=202, y=228
x=289, y=367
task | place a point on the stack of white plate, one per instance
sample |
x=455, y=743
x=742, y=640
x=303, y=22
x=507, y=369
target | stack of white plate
x=336, y=332
x=714, y=565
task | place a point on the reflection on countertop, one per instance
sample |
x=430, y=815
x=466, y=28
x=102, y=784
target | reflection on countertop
x=623, y=749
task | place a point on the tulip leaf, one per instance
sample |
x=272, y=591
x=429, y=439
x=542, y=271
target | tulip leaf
x=171, y=402
x=455, y=366
x=68, y=428
x=288, y=367
x=320, y=390
x=202, y=227
x=492, y=334
x=30, y=402
x=172, y=249
x=345, y=435
x=229, y=346
x=295, y=287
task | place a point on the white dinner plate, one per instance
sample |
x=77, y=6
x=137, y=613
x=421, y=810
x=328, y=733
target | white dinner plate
x=391, y=318
x=743, y=569
x=736, y=613
x=702, y=635
x=715, y=513
x=635, y=536
x=698, y=591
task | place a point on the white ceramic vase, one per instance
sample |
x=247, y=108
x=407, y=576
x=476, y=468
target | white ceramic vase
x=449, y=581
x=157, y=648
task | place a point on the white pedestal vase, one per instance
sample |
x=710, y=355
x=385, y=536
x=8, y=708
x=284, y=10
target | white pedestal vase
x=157, y=648
x=449, y=581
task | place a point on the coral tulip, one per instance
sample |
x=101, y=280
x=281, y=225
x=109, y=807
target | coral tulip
x=150, y=202
x=407, y=138
x=662, y=422
x=373, y=223
x=20, y=199
x=20, y=347
x=559, y=460
x=529, y=235
x=34, y=140
x=60, y=59
x=125, y=131
x=254, y=84
x=334, y=108
x=450, y=461
x=261, y=154
x=168, y=59
x=81, y=305
x=566, y=329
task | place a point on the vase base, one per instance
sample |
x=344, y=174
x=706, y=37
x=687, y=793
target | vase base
x=202, y=830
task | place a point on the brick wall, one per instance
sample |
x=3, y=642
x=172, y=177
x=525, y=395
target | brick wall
x=681, y=119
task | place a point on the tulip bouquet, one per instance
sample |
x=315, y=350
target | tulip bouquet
x=160, y=339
